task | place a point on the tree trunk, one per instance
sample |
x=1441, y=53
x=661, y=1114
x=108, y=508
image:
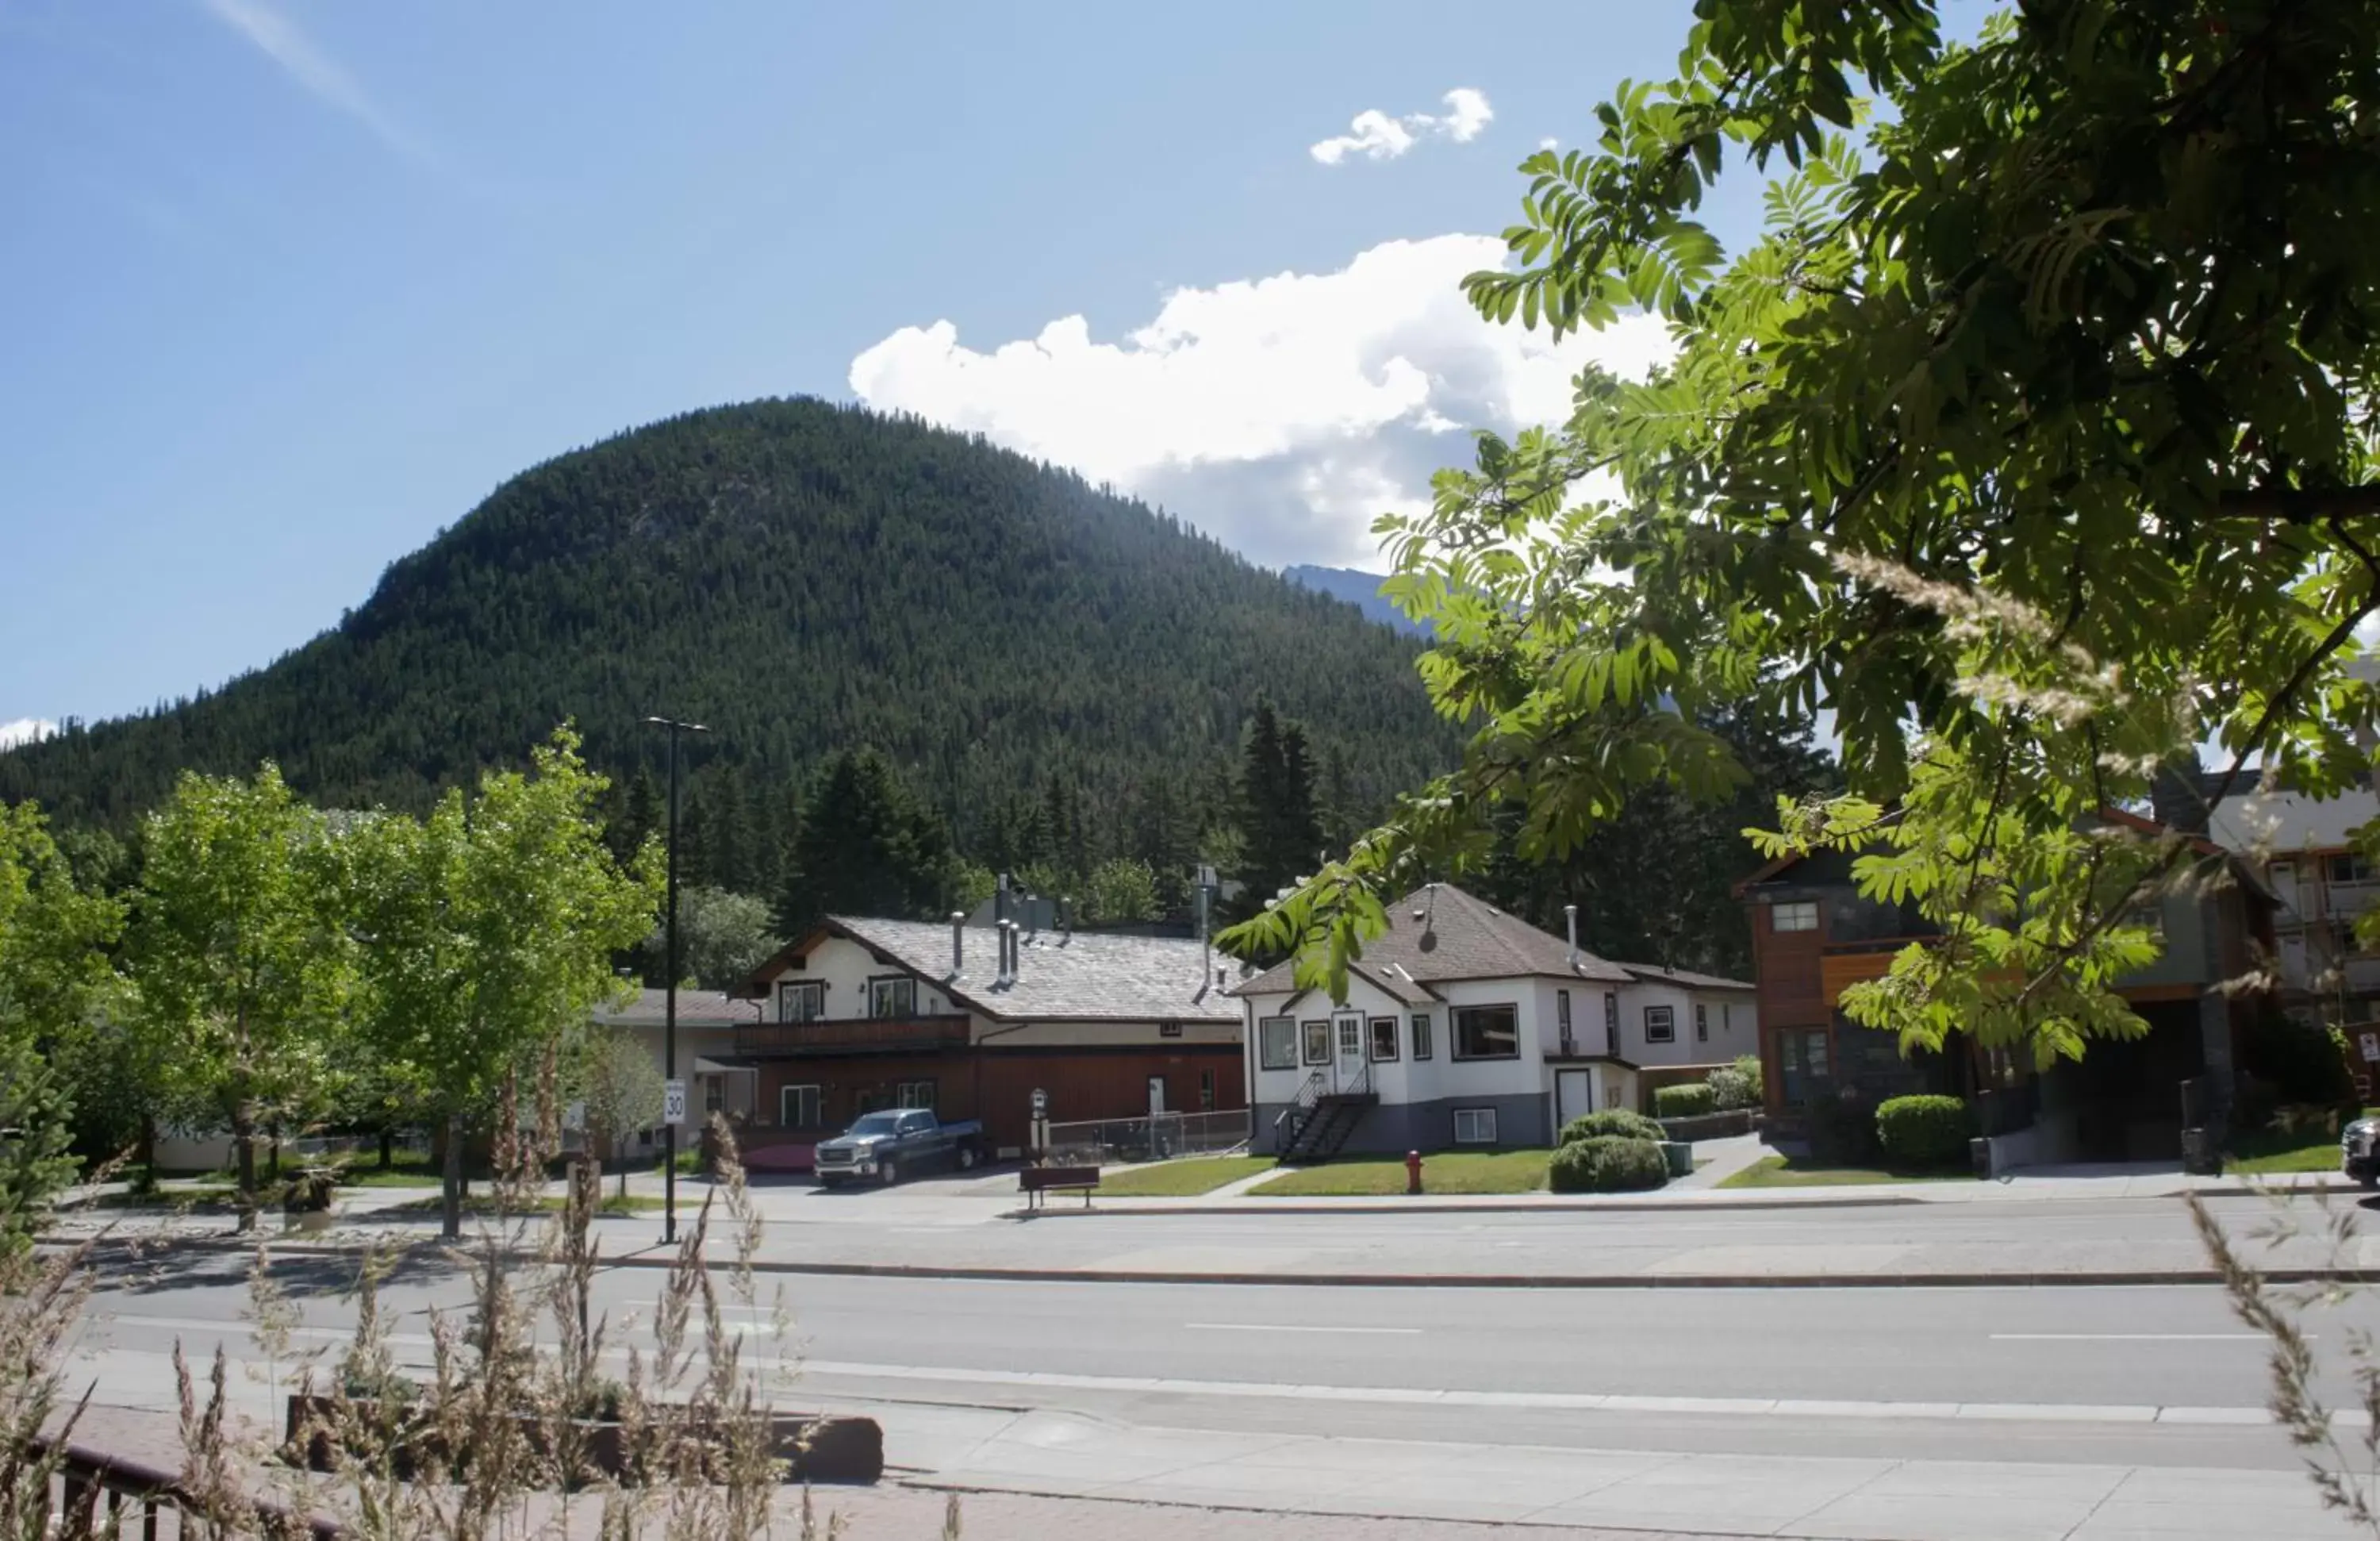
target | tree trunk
x=243, y=1141
x=453, y=1185
x=387, y=1148
x=273, y=1169
x=149, y=1151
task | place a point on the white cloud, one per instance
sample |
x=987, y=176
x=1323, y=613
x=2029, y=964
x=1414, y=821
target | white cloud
x=25, y=730
x=1377, y=136
x=1548, y=143
x=1278, y=414
x=316, y=72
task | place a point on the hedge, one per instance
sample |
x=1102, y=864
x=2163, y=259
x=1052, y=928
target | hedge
x=1605, y=1164
x=1612, y=1124
x=1925, y=1131
x=1687, y=1102
x=1731, y=1090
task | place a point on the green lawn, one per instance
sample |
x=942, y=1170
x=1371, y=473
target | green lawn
x=1502, y=1171
x=1200, y=1175
x=404, y=1175
x=1793, y=1172
x=2269, y=1151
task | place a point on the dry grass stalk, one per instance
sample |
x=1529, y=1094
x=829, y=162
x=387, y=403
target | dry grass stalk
x=2346, y=1472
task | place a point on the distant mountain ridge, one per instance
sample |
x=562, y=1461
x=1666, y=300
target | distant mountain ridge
x=1359, y=589
x=802, y=576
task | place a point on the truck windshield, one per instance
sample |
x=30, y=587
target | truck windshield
x=875, y=1124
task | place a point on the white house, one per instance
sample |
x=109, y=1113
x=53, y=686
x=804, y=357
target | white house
x=1465, y=1025
x=706, y=1022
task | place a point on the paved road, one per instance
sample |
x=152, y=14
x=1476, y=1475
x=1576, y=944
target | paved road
x=2022, y=1413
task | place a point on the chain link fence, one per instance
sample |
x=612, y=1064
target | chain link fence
x=1150, y=1137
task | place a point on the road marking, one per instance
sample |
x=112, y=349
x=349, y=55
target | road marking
x=2127, y=1338
x=1581, y=1401
x=1276, y=1327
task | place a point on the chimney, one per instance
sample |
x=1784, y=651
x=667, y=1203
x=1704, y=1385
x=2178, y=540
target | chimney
x=1011, y=936
x=1066, y=920
x=2176, y=799
x=958, y=942
x=1569, y=917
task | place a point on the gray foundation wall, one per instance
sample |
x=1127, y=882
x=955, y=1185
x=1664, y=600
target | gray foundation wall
x=1393, y=1128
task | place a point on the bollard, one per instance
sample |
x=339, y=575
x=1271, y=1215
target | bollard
x=1413, y=1171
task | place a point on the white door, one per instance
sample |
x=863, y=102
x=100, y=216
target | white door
x=1351, y=1051
x=1156, y=1095
x=1574, y=1094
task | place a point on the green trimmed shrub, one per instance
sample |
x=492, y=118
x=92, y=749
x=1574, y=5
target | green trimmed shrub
x=1748, y=1066
x=1690, y=1101
x=1612, y=1124
x=1605, y=1164
x=2305, y=1064
x=1729, y=1089
x=1925, y=1131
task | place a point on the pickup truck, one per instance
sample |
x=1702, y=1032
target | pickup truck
x=882, y=1146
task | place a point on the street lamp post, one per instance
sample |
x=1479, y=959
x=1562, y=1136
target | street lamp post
x=669, y=1010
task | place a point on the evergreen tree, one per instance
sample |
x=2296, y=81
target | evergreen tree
x=868, y=846
x=1280, y=837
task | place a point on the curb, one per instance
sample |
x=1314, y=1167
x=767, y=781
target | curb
x=1424, y=1207
x=656, y=1258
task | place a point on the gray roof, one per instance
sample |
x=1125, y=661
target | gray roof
x=696, y=1008
x=1082, y=977
x=1440, y=932
x=1656, y=973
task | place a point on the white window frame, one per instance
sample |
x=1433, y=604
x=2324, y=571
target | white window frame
x=914, y=1094
x=1794, y=914
x=886, y=988
x=1481, y=1123
x=1314, y=1040
x=1420, y=1026
x=790, y=990
x=1372, y=1039
x=818, y=1105
x=1287, y=1058
x=1660, y=1025
x=1702, y=1023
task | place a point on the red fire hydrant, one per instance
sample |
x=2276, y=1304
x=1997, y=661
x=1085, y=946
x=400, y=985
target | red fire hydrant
x=1413, y=1171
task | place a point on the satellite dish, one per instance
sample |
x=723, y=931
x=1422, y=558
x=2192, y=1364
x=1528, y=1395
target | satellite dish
x=1428, y=942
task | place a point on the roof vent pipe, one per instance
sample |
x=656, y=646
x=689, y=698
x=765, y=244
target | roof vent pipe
x=1570, y=915
x=958, y=942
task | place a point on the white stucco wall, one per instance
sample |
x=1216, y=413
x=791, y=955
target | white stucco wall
x=1734, y=1027
x=1404, y=1079
x=844, y=967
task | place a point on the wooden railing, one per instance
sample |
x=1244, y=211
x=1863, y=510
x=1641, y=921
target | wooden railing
x=852, y=1034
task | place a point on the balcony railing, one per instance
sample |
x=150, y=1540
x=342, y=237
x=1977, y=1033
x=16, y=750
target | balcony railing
x=880, y=1035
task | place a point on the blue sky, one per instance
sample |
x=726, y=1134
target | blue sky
x=288, y=288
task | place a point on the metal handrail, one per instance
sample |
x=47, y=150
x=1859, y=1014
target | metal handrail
x=131, y=1480
x=1300, y=1105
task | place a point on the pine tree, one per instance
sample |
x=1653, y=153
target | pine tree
x=868, y=846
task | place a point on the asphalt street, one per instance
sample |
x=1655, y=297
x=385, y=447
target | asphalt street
x=2032, y=1373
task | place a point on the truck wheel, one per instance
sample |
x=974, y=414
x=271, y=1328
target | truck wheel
x=967, y=1157
x=2369, y=1180
x=888, y=1171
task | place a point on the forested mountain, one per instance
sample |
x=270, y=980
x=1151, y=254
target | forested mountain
x=1358, y=589
x=803, y=577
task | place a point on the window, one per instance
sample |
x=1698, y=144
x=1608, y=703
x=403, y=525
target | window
x=1384, y=1038
x=1799, y=916
x=1660, y=1025
x=1474, y=1126
x=1318, y=1041
x=1486, y=1033
x=1277, y=1041
x=892, y=997
x=914, y=1094
x=1421, y=1035
x=1727, y=1016
x=1205, y=1091
x=1561, y=1015
x=1351, y=1036
x=2349, y=870
x=1801, y=1055
x=801, y=1001
x=799, y=1108
x=1702, y=1023
x=1611, y=1023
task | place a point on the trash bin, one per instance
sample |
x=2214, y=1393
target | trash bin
x=1679, y=1154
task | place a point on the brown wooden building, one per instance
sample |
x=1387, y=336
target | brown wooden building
x=1813, y=936
x=970, y=1021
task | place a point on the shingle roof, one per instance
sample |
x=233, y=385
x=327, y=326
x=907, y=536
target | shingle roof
x=1082, y=977
x=1441, y=933
x=696, y=1008
x=1656, y=973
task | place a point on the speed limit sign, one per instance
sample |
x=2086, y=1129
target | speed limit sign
x=674, y=1102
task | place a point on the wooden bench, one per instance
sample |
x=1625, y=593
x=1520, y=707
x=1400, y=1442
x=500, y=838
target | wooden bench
x=1037, y=1182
